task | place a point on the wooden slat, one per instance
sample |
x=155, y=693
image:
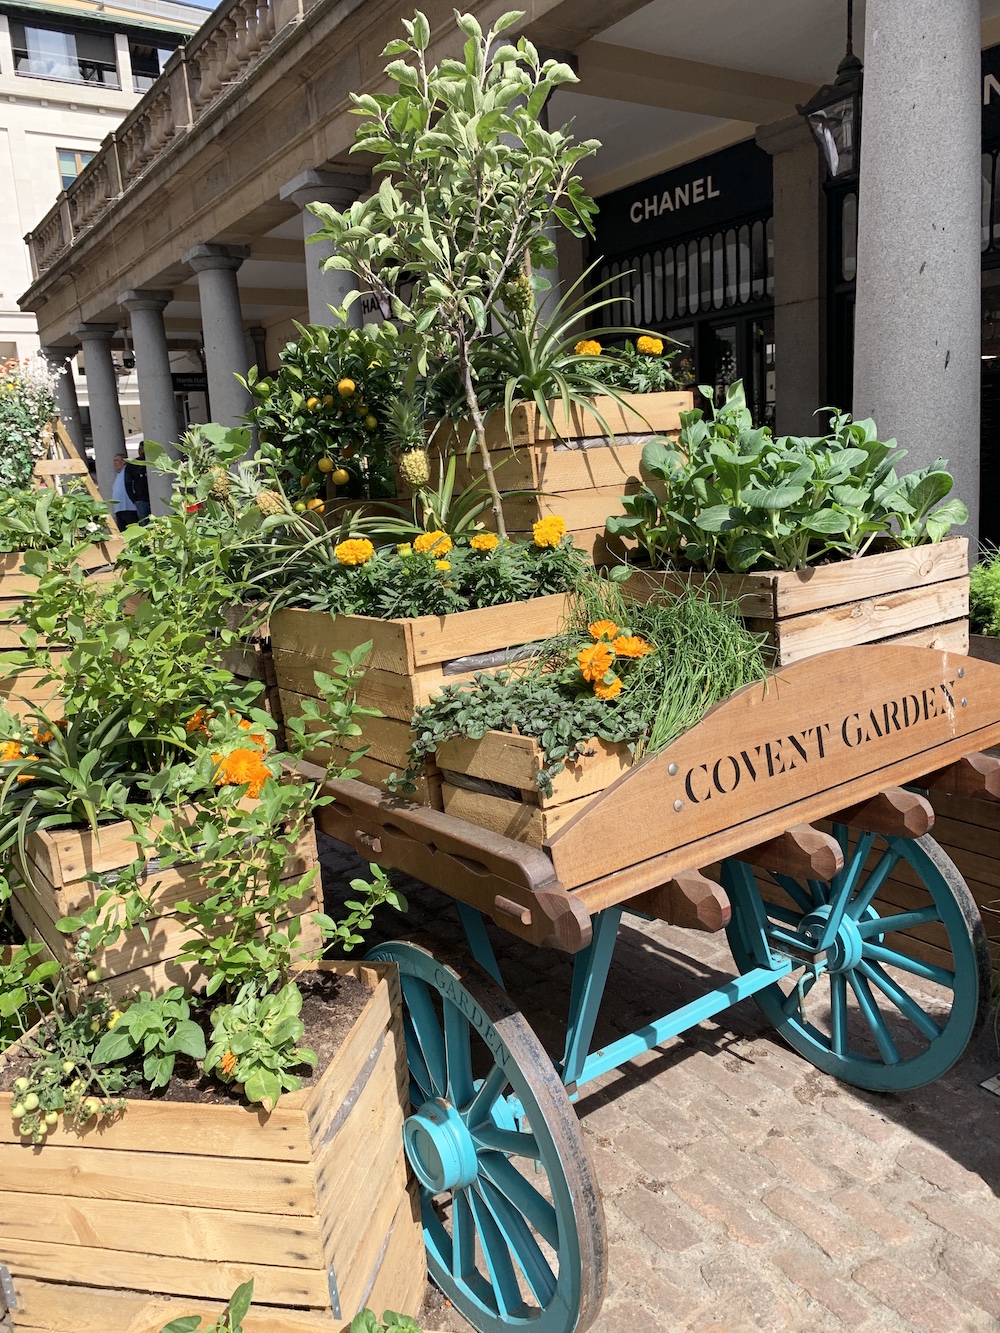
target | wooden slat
x=388, y=739
x=646, y=411
x=318, y=635
x=516, y=760
x=850, y=581
x=782, y=754
x=525, y=822
x=160, y=1274
x=865, y=621
x=441, y=638
x=582, y=509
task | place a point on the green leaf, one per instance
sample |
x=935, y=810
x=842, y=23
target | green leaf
x=239, y=1303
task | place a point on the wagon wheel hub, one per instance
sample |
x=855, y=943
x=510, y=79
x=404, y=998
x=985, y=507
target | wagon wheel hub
x=440, y=1148
x=846, y=949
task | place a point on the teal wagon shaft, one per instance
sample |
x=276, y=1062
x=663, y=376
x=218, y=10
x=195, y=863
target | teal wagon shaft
x=859, y=941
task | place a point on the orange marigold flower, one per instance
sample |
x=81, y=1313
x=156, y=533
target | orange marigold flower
x=611, y=691
x=439, y=542
x=355, y=551
x=228, y=1063
x=650, y=346
x=595, y=662
x=485, y=541
x=42, y=736
x=242, y=768
x=442, y=565
x=197, y=720
x=588, y=347
x=631, y=645
x=10, y=750
x=604, y=629
x=549, y=531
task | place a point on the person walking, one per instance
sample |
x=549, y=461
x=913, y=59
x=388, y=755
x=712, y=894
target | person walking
x=122, y=505
x=137, y=486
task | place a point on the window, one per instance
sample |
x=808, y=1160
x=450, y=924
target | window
x=71, y=162
x=147, y=62
x=72, y=54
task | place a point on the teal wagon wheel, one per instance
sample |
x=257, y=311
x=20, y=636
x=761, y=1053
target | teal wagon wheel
x=895, y=977
x=512, y=1216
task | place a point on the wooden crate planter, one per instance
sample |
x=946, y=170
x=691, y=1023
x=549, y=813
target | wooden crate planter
x=165, y=1210
x=493, y=782
x=55, y=886
x=583, y=475
x=918, y=596
x=410, y=661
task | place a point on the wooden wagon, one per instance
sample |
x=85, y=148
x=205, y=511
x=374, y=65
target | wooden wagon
x=793, y=817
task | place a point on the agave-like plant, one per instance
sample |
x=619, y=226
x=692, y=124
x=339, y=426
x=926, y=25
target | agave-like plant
x=535, y=357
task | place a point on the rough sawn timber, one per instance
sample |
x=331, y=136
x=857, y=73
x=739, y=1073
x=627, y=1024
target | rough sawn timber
x=172, y=1205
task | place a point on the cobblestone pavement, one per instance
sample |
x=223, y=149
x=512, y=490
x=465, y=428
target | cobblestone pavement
x=743, y=1189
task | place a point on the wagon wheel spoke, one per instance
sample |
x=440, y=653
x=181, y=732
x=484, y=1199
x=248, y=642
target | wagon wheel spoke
x=507, y=1251
x=880, y=1015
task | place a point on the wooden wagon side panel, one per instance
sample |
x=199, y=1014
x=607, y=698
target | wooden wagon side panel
x=818, y=736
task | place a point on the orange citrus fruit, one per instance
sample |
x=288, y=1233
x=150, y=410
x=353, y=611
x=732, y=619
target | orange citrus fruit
x=346, y=388
x=325, y=465
x=341, y=477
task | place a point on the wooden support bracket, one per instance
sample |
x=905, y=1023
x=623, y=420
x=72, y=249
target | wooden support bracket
x=894, y=812
x=802, y=851
x=975, y=777
x=691, y=900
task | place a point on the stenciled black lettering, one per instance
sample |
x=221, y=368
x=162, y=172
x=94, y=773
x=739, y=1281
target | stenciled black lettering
x=748, y=763
x=688, y=787
x=874, y=721
x=858, y=733
x=716, y=774
x=911, y=716
x=894, y=720
x=774, y=757
x=819, y=738
x=797, y=745
x=946, y=690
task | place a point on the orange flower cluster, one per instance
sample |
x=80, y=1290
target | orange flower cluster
x=242, y=768
x=485, y=541
x=597, y=659
x=439, y=542
x=228, y=1063
x=10, y=750
x=549, y=531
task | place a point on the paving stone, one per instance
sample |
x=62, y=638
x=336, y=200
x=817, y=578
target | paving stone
x=662, y=1217
x=899, y=1289
x=714, y=1203
x=855, y=1115
x=822, y=1285
x=762, y=1297
x=824, y=1228
x=939, y=1170
x=649, y=1152
x=736, y=1166
x=864, y=1208
x=783, y=1154
x=959, y=1220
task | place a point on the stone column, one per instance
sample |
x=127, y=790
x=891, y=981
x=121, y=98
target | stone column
x=325, y=289
x=258, y=336
x=222, y=328
x=61, y=361
x=102, y=393
x=799, y=299
x=917, y=339
x=160, y=422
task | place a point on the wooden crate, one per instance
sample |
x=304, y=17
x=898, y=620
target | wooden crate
x=52, y=885
x=165, y=1210
x=493, y=783
x=918, y=596
x=580, y=475
x=410, y=661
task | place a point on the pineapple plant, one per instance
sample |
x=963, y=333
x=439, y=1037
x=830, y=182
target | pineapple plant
x=405, y=429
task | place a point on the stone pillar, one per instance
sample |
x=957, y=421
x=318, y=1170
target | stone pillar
x=102, y=393
x=61, y=361
x=325, y=289
x=258, y=336
x=917, y=339
x=799, y=294
x=160, y=422
x=222, y=328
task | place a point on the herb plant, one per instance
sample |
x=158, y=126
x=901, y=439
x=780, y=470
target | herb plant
x=230, y=1321
x=984, y=595
x=159, y=1030
x=469, y=184
x=22, y=990
x=733, y=497
x=254, y=1043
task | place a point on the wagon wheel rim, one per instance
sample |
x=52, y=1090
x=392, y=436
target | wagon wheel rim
x=906, y=983
x=509, y=1248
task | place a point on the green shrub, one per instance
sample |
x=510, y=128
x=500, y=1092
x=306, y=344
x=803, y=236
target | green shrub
x=27, y=401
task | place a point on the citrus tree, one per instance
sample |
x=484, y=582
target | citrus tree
x=470, y=183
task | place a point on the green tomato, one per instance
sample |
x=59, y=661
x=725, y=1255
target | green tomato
x=52, y=1118
x=90, y=1107
x=21, y=1085
x=17, y=1111
x=31, y=1101
x=68, y=1066
x=94, y=975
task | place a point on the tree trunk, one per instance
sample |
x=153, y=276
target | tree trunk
x=472, y=402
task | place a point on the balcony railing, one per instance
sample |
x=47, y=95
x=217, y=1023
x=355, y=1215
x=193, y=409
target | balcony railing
x=222, y=50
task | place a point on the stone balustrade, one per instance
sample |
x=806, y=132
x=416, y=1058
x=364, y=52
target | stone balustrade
x=195, y=76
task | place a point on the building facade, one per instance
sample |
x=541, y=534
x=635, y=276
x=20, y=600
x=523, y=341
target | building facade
x=717, y=224
x=70, y=71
